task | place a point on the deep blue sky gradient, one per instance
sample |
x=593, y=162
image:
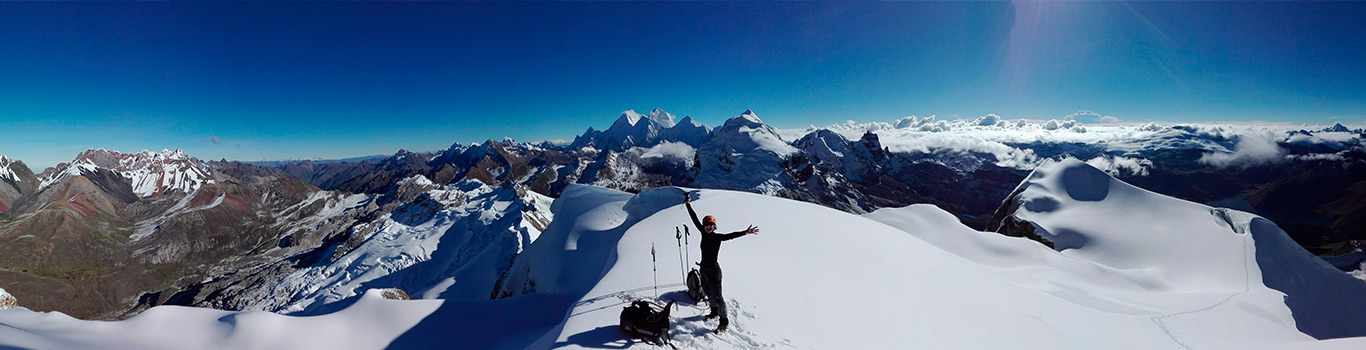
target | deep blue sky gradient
x=335, y=80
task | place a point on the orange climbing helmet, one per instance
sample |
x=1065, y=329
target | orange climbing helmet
x=709, y=220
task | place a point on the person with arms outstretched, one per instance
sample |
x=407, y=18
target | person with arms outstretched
x=711, y=270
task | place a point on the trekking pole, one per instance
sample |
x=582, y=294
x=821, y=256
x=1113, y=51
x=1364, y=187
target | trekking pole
x=682, y=266
x=654, y=271
x=686, y=249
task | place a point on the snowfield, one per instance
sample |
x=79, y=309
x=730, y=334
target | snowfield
x=1131, y=269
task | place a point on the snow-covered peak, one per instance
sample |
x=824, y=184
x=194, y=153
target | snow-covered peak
x=750, y=116
x=630, y=130
x=824, y=144
x=150, y=173
x=688, y=131
x=5, y=172
x=657, y=119
x=629, y=117
x=664, y=119
x=165, y=153
x=747, y=132
x=416, y=180
x=743, y=154
x=687, y=120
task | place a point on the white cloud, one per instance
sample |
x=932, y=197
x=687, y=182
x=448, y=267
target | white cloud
x=1337, y=157
x=1253, y=148
x=1051, y=125
x=941, y=126
x=1226, y=143
x=905, y=122
x=674, y=150
x=1114, y=165
x=1330, y=138
x=988, y=120
x=1086, y=116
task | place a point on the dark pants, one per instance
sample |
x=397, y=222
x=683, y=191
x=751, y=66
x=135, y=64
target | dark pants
x=713, y=289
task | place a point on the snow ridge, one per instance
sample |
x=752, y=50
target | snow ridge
x=465, y=232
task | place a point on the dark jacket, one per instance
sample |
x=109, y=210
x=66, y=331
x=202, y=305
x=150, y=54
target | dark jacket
x=711, y=242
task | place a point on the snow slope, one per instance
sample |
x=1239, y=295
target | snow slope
x=1213, y=256
x=816, y=278
x=1133, y=270
x=453, y=242
x=368, y=324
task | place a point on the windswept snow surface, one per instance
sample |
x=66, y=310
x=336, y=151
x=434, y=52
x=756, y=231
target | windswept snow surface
x=1134, y=270
x=915, y=278
x=370, y=323
x=1202, y=263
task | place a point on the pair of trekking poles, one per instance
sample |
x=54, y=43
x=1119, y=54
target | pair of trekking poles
x=684, y=255
x=692, y=279
x=683, y=250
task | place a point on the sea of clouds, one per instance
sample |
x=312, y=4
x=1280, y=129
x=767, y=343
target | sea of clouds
x=1104, y=141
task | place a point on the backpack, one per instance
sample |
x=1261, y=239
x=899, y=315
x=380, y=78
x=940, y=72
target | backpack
x=696, y=286
x=641, y=319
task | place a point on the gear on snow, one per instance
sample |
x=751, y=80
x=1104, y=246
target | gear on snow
x=647, y=321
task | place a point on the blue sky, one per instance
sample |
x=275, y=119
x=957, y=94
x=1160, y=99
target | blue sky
x=335, y=80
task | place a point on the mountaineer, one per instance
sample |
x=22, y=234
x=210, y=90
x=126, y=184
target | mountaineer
x=711, y=270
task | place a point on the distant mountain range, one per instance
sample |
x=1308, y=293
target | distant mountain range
x=113, y=233
x=278, y=163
